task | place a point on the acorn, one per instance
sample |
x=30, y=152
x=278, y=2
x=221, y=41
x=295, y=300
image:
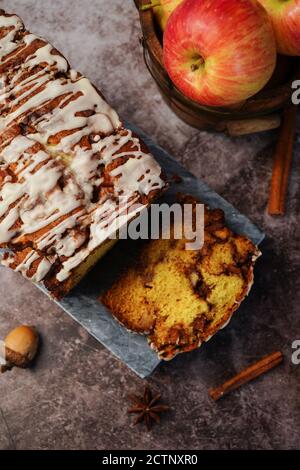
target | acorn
x=21, y=346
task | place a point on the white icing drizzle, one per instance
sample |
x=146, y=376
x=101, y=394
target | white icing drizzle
x=45, y=54
x=70, y=138
x=11, y=153
x=7, y=44
x=42, y=270
x=29, y=259
x=130, y=175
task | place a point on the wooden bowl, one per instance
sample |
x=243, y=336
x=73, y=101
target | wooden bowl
x=259, y=113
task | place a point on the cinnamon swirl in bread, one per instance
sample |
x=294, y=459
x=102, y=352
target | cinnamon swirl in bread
x=179, y=297
x=70, y=173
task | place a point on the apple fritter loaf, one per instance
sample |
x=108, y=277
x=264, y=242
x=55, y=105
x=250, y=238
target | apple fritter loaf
x=70, y=173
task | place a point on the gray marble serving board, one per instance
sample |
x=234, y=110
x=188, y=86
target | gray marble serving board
x=83, y=303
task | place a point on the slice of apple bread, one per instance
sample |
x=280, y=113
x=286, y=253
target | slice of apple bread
x=179, y=298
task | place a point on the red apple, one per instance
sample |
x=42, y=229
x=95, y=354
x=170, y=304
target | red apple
x=162, y=9
x=285, y=17
x=219, y=52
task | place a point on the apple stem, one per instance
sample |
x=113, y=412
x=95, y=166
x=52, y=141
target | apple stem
x=152, y=4
x=199, y=61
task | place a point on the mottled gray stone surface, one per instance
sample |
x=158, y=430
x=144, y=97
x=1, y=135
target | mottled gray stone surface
x=76, y=395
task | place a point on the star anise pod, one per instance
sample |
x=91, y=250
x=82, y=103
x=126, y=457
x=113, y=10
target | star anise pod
x=147, y=408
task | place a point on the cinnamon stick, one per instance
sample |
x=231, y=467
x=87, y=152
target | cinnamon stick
x=282, y=161
x=246, y=375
